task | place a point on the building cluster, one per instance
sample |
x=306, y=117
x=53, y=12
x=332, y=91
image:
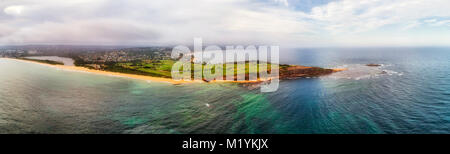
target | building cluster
x=12, y=53
x=90, y=55
x=122, y=56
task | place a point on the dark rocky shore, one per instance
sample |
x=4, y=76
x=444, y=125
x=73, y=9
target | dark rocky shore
x=290, y=72
x=295, y=71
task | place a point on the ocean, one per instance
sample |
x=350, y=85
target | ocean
x=409, y=93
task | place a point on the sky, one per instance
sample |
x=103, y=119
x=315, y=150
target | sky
x=288, y=23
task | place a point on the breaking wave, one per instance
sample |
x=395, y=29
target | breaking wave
x=362, y=71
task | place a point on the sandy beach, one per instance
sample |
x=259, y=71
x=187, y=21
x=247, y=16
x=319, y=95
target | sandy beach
x=83, y=69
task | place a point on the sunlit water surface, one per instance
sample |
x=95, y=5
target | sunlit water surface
x=410, y=93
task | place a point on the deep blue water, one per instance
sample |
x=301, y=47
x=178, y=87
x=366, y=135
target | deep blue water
x=413, y=98
x=410, y=93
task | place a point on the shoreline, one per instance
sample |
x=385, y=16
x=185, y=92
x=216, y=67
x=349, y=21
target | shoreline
x=134, y=76
x=106, y=73
x=124, y=75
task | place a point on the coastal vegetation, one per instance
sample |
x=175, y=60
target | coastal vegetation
x=51, y=62
x=163, y=68
x=156, y=68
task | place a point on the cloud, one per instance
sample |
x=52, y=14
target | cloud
x=284, y=2
x=353, y=22
x=151, y=22
x=172, y=22
x=436, y=22
x=14, y=10
x=412, y=25
x=360, y=16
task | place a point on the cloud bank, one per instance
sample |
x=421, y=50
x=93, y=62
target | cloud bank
x=299, y=23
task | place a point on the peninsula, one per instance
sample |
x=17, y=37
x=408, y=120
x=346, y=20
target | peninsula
x=153, y=64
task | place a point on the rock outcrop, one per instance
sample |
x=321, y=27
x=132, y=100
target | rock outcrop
x=373, y=65
x=295, y=71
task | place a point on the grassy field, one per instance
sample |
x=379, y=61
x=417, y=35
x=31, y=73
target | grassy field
x=163, y=68
x=160, y=68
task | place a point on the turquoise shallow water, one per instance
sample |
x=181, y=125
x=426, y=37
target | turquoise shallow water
x=411, y=96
